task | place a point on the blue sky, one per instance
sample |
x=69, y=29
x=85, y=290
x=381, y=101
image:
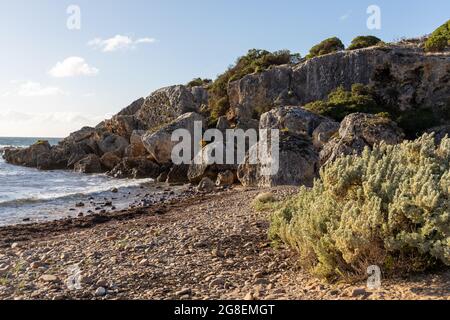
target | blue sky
x=160, y=43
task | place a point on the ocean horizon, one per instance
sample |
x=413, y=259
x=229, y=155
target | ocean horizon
x=30, y=195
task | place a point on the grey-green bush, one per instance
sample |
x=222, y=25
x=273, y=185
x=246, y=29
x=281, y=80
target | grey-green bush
x=388, y=207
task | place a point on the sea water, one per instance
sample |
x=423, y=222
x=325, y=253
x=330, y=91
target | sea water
x=31, y=195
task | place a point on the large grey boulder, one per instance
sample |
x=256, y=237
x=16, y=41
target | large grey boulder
x=113, y=143
x=297, y=164
x=159, y=144
x=324, y=132
x=89, y=164
x=295, y=120
x=360, y=130
x=136, y=148
x=167, y=104
x=136, y=168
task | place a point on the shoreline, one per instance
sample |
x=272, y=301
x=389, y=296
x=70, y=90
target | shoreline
x=205, y=246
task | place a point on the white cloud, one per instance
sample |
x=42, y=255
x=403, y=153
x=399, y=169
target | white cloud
x=118, y=42
x=35, y=89
x=31, y=89
x=72, y=67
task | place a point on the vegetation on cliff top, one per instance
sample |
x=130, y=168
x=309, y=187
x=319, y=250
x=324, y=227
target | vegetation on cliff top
x=254, y=61
x=439, y=39
x=340, y=103
x=327, y=46
x=388, y=207
x=364, y=42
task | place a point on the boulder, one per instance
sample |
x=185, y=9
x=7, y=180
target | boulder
x=159, y=144
x=297, y=164
x=167, y=104
x=223, y=124
x=136, y=148
x=357, y=131
x=226, y=178
x=295, y=120
x=123, y=125
x=38, y=155
x=113, y=143
x=89, y=164
x=206, y=185
x=205, y=166
x=324, y=132
x=109, y=160
x=178, y=174
x=133, y=108
x=136, y=168
x=270, y=88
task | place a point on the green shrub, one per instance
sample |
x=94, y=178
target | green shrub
x=363, y=42
x=254, y=61
x=439, y=39
x=341, y=103
x=197, y=82
x=327, y=46
x=388, y=207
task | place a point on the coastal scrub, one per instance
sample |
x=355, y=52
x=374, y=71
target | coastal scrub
x=388, y=207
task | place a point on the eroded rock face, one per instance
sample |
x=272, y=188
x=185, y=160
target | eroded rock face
x=109, y=160
x=324, y=132
x=167, y=104
x=159, y=144
x=136, y=168
x=271, y=88
x=89, y=164
x=38, y=155
x=113, y=143
x=295, y=120
x=136, y=148
x=178, y=174
x=226, y=178
x=402, y=76
x=207, y=165
x=298, y=164
x=357, y=131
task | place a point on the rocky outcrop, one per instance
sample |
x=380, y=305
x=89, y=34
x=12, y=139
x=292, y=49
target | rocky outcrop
x=402, y=76
x=297, y=164
x=109, y=160
x=113, y=143
x=125, y=122
x=38, y=156
x=178, y=174
x=207, y=166
x=324, y=132
x=89, y=164
x=358, y=131
x=206, y=185
x=136, y=168
x=167, y=104
x=226, y=178
x=136, y=148
x=159, y=144
x=294, y=120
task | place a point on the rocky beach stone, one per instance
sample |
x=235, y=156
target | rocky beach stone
x=358, y=131
x=90, y=164
x=296, y=149
x=159, y=143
